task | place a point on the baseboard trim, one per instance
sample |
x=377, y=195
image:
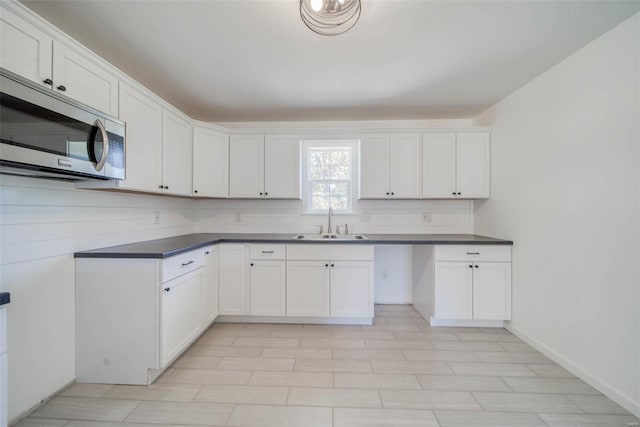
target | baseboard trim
x=296, y=320
x=604, y=388
x=466, y=323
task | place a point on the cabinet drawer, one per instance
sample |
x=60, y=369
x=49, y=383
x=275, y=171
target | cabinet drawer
x=269, y=251
x=473, y=253
x=181, y=264
x=330, y=252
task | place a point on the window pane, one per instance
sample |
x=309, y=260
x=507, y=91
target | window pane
x=319, y=172
x=329, y=178
x=319, y=203
x=340, y=171
x=319, y=189
x=339, y=203
x=340, y=188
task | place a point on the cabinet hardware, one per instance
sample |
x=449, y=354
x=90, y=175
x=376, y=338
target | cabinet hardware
x=47, y=82
x=326, y=265
x=251, y=264
x=477, y=266
x=454, y=193
x=160, y=187
x=266, y=194
x=195, y=191
x=207, y=253
x=61, y=88
x=167, y=289
x=267, y=252
x=261, y=193
x=473, y=253
x=470, y=266
x=387, y=193
x=332, y=265
x=166, y=187
x=393, y=194
x=184, y=264
x=459, y=193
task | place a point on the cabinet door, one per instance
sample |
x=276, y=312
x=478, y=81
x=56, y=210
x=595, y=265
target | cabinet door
x=308, y=288
x=246, y=166
x=267, y=288
x=180, y=314
x=232, y=280
x=210, y=286
x=143, y=141
x=351, y=289
x=438, y=165
x=282, y=167
x=453, y=290
x=210, y=163
x=492, y=290
x=473, y=165
x=176, y=155
x=405, y=154
x=374, y=166
x=24, y=49
x=84, y=80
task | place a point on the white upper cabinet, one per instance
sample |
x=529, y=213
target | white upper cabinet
x=246, y=166
x=210, y=163
x=282, y=167
x=31, y=53
x=390, y=166
x=78, y=77
x=144, y=141
x=455, y=165
x=473, y=164
x=176, y=154
x=264, y=168
x=24, y=49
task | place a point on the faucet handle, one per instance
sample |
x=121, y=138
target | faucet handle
x=338, y=229
x=346, y=229
x=321, y=229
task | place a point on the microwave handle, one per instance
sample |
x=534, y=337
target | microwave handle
x=105, y=145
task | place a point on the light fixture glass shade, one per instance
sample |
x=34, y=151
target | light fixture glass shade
x=330, y=17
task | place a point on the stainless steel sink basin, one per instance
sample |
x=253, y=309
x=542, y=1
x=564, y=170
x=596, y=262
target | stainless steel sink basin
x=330, y=237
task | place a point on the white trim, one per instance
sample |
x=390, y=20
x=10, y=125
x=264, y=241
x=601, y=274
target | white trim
x=297, y=320
x=477, y=323
x=612, y=393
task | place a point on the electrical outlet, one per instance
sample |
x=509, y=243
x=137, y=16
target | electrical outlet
x=156, y=218
x=426, y=216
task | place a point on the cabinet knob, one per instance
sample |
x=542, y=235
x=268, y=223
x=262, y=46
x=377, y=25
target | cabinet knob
x=261, y=193
x=459, y=193
x=393, y=194
x=454, y=193
x=332, y=265
x=326, y=265
x=477, y=266
x=166, y=187
x=61, y=88
x=47, y=82
x=471, y=266
x=266, y=194
x=160, y=187
x=195, y=191
x=167, y=289
x=207, y=253
x=251, y=264
x=387, y=193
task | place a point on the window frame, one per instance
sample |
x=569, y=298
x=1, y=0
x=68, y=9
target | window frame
x=350, y=143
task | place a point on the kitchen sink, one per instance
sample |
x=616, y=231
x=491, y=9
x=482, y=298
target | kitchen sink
x=330, y=237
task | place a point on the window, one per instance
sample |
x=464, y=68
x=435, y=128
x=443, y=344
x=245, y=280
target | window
x=328, y=175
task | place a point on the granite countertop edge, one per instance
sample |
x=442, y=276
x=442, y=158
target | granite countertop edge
x=171, y=246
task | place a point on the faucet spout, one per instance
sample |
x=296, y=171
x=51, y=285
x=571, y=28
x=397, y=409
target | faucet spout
x=329, y=225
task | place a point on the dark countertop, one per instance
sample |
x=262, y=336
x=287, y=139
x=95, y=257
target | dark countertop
x=5, y=298
x=170, y=246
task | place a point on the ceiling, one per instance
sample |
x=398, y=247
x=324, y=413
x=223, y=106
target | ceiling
x=240, y=60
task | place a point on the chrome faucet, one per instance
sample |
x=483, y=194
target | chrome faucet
x=329, y=225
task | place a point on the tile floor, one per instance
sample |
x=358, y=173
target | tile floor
x=398, y=372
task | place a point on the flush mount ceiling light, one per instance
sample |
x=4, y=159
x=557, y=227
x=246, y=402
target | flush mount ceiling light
x=330, y=17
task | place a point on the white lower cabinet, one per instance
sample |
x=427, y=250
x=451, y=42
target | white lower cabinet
x=210, y=285
x=181, y=314
x=463, y=285
x=308, y=288
x=267, y=288
x=134, y=316
x=232, y=279
x=351, y=289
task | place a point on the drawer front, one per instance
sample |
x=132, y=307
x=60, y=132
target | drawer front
x=339, y=252
x=269, y=251
x=473, y=253
x=182, y=264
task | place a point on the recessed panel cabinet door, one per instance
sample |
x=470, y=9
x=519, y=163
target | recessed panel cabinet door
x=143, y=141
x=210, y=163
x=180, y=313
x=246, y=166
x=76, y=76
x=24, y=49
x=210, y=285
x=438, y=165
x=282, y=167
x=492, y=290
x=351, y=289
x=176, y=155
x=267, y=288
x=374, y=166
x=308, y=288
x=232, y=279
x=453, y=290
x=405, y=157
x=473, y=164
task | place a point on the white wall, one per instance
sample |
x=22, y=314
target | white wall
x=393, y=280
x=565, y=188
x=41, y=224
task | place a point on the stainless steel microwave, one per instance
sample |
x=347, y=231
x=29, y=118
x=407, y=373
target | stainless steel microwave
x=49, y=135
